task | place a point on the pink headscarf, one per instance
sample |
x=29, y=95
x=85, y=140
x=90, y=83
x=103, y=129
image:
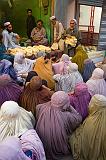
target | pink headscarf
x=61, y=67
x=11, y=149
x=57, y=67
x=65, y=59
x=98, y=73
x=60, y=99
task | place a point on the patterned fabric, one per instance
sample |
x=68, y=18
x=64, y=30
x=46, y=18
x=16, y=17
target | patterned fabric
x=55, y=121
x=88, y=141
x=68, y=81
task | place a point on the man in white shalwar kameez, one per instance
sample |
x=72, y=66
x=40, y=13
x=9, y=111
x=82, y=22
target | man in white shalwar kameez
x=10, y=39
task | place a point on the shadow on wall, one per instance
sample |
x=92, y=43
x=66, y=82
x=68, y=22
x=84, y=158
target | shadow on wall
x=15, y=12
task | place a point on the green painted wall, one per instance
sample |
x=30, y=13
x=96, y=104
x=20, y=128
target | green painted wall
x=17, y=14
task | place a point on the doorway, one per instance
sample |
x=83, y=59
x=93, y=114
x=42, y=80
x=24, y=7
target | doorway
x=89, y=24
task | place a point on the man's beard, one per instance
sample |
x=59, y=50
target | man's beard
x=9, y=30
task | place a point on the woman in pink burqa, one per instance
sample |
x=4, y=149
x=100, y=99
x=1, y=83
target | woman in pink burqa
x=61, y=67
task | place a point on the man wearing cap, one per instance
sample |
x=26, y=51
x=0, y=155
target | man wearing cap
x=58, y=30
x=72, y=32
x=10, y=39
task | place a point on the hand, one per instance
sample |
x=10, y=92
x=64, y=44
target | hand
x=68, y=35
x=38, y=39
x=17, y=36
x=71, y=93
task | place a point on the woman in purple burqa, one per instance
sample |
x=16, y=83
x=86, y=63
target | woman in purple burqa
x=11, y=149
x=9, y=89
x=56, y=120
x=80, y=99
x=31, y=142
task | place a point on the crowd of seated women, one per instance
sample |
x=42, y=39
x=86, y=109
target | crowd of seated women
x=52, y=110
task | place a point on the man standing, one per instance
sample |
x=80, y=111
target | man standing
x=30, y=22
x=58, y=30
x=10, y=39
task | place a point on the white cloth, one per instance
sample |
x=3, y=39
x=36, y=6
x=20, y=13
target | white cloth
x=14, y=120
x=9, y=39
x=60, y=30
x=22, y=65
x=6, y=24
x=52, y=18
